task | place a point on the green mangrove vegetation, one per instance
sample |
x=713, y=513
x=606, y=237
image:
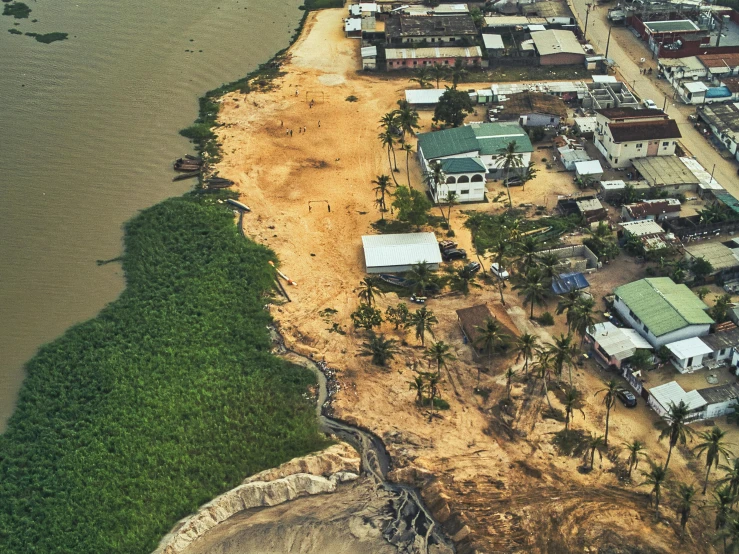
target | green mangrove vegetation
x=18, y=10
x=48, y=38
x=167, y=398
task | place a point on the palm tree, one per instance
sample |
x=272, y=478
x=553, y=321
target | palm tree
x=381, y=349
x=509, y=375
x=423, y=321
x=490, y=337
x=408, y=149
x=387, y=139
x=655, y=478
x=582, y=318
x=723, y=500
x=368, y=288
x=527, y=249
x=462, y=279
x=675, y=428
x=500, y=255
x=528, y=174
x=508, y=159
x=548, y=264
x=571, y=397
x=563, y=353
x=685, y=497
x=406, y=118
x=532, y=289
x=541, y=369
x=382, y=189
x=434, y=180
x=635, y=449
x=420, y=278
x=525, y=346
x=450, y=200
x=714, y=446
x=730, y=531
x=433, y=382
x=440, y=353
x=422, y=77
x=418, y=385
x=458, y=72
x=731, y=477
x=609, y=401
x=595, y=444
x=438, y=72
x=567, y=302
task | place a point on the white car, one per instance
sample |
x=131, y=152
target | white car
x=650, y=104
x=500, y=273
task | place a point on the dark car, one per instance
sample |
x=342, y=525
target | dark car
x=628, y=399
x=474, y=267
x=454, y=254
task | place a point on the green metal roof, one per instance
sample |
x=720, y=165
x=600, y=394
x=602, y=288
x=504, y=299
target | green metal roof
x=487, y=138
x=728, y=200
x=662, y=305
x=462, y=165
x=671, y=26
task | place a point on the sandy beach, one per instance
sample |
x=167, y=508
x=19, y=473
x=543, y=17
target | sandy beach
x=504, y=487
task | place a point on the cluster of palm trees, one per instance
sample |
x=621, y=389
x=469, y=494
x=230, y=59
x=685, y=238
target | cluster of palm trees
x=426, y=75
x=507, y=160
x=396, y=125
x=426, y=383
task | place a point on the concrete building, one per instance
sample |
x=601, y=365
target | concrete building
x=483, y=142
x=720, y=66
x=369, y=57
x=601, y=95
x=533, y=109
x=494, y=45
x=624, y=134
x=463, y=176
x=722, y=344
x=641, y=228
x=396, y=253
x=687, y=354
x=363, y=9
x=724, y=259
x=353, y=27
x=661, y=399
x=661, y=311
x=585, y=126
x=723, y=120
x=615, y=345
x=657, y=210
x=433, y=31
x=557, y=47
x=668, y=173
x=588, y=170
x=720, y=400
x=413, y=58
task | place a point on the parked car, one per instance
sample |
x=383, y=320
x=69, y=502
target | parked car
x=628, y=399
x=692, y=118
x=447, y=245
x=499, y=272
x=474, y=267
x=649, y=104
x=454, y=254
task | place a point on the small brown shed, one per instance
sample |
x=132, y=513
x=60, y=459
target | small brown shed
x=470, y=319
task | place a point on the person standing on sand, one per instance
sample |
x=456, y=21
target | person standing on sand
x=319, y=123
x=291, y=132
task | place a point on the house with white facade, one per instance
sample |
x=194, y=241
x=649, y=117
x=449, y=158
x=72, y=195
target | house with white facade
x=615, y=345
x=662, y=311
x=722, y=345
x=624, y=134
x=687, y=354
x=481, y=146
x=708, y=403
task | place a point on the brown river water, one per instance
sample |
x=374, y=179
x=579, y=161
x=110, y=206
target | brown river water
x=88, y=132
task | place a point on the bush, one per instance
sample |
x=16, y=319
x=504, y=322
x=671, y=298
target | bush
x=199, y=132
x=169, y=397
x=18, y=10
x=48, y=38
x=351, y=98
x=14, y=32
x=546, y=319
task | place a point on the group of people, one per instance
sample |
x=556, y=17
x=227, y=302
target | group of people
x=645, y=71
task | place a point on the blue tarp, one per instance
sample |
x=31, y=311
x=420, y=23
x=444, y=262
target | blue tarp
x=718, y=92
x=566, y=282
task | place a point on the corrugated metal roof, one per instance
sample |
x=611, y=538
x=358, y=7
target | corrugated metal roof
x=725, y=339
x=493, y=42
x=687, y=348
x=353, y=24
x=672, y=393
x=433, y=52
x=662, y=305
x=721, y=393
x=664, y=170
x=617, y=342
x=556, y=42
x=719, y=255
x=462, y=165
x=642, y=227
x=485, y=138
x=674, y=26
x=368, y=51
x=591, y=167
x=400, y=249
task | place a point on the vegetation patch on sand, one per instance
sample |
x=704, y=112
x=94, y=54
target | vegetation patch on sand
x=48, y=38
x=167, y=398
x=18, y=10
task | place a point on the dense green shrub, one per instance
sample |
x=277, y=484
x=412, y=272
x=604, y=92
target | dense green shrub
x=18, y=10
x=167, y=398
x=48, y=38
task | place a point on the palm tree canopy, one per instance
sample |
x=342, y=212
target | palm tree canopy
x=381, y=349
x=675, y=426
x=490, y=336
x=713, y=445
x=368, y=288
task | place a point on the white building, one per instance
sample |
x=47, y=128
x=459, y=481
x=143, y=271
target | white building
x=369, y=57
x=614, y=345
x=687, y=354
x=661, y=311
x=396, y=253
x=664, y=396
x=623, y=134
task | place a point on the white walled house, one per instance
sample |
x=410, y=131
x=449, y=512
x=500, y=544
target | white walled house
x=687, y=354
x=662, y=397
x=623, y=134
x=481, y=145
x=661, y=311
x=720, y=400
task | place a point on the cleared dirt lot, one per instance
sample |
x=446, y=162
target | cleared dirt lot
x=490, y=472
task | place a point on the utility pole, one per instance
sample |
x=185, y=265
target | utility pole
x=664, y=106
x=608, y=42
x=587, y=16
x=720, y=28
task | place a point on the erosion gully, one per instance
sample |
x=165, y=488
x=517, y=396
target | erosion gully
x=412, y=529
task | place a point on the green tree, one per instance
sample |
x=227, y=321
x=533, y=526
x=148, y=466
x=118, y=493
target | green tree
x=387, y=139
x=450, y=200
x=421, y=278
x=609, y=401
x=397, y=315
x=435, y=179
x=408, y=149
x=439, y=73
x=500, y=252
x=366, y=317
x=675, y=427
x=595, y=444
x=380, y=348
x=423, y=321
x=508, y=159
x=572, y=398
x=419, y=385
x=641, y=360
x=412, y=206
x=527, y=248
x=463, y=278
x=563, y=353
x=635, y=449
x=526, y=346
x=458, y=72
x=509, y=375
x=714, y=447
x=532, y=289
x=440, y=353
x=490, y=338
x=566, y=303
x=542, y=368
x=548, y=264
x=406, y=118
x=453, y=107
x=730, y=532
x=723, y=500
x=528, y=174
x=701, y=268
x=581, y=318
x=422, y=76
x=731, y=477
x=685, y=498
x=703, y=292
x=655, y=478
x=720, y=311
x=478, y=18
x=382, y=188
x=368, y=289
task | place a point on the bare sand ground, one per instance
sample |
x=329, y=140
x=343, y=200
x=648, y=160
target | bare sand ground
x=504, y=485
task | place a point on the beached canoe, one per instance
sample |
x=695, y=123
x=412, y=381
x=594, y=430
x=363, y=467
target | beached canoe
x=183, y=176
x=395, y=280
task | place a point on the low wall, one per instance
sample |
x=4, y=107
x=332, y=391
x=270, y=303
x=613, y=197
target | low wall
x=577, y=251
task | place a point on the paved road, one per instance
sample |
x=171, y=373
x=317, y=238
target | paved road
x=649, y=87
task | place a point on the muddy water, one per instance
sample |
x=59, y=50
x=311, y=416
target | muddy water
x=88, y=130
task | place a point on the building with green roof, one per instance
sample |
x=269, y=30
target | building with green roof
x=469, y=156
x=662, y=311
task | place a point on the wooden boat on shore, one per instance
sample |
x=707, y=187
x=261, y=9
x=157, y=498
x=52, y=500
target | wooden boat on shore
x=395, y=280
x=194, y=158
x=183, y=176
x=186, y=164
x=242, y=207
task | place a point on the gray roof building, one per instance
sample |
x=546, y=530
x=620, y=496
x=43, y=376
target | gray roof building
x=396, y=253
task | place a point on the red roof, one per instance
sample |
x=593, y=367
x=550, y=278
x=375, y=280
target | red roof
x=648, y=130
x=732, y=84
x=719, y=60
x=630, y=113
